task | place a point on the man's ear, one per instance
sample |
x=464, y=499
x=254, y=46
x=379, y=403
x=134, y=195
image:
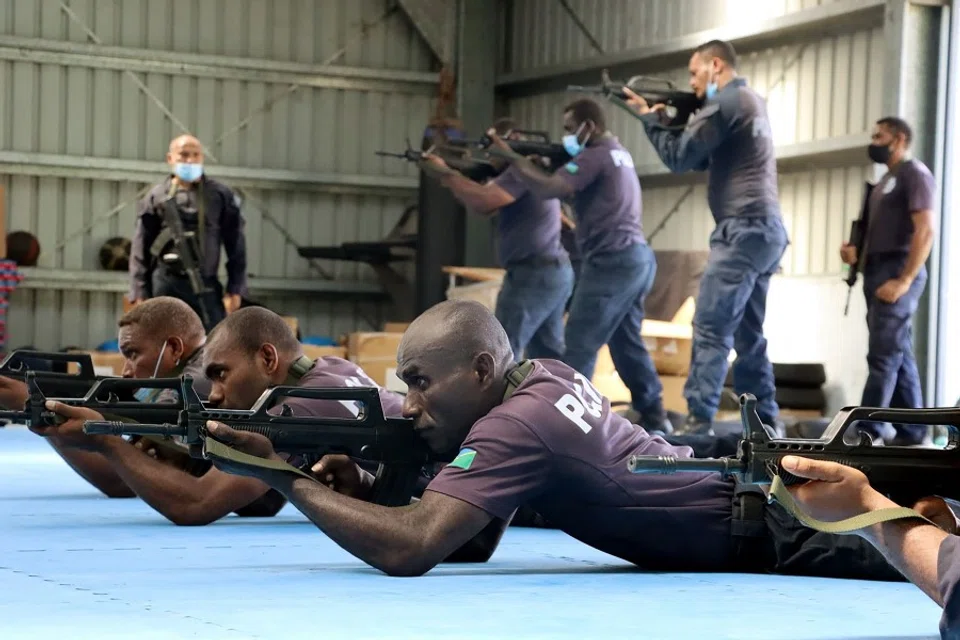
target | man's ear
x=176, y=348
x=485, y=368
x=269, y=357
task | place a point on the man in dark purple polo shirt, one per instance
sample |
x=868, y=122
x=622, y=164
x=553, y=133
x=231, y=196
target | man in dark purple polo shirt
x=539, y=279
x=250, y=351
x=617, y=266
x=541, y=434
x=897, y=244
x=928, y=555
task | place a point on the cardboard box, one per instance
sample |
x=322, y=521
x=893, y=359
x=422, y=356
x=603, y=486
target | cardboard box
x=314, y=351
x=375, y=353
x=292, y=322
x=105, y=363
x=607, y=382
x=670, y=345
x=395, y=327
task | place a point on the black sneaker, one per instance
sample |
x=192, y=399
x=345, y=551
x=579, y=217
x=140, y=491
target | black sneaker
x=694, y=426
x=657, y=426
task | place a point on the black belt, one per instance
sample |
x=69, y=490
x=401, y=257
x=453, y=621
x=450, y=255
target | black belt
x=538, y=262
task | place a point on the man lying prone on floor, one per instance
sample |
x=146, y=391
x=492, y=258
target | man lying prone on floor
x=250, y=351
x=542, y=435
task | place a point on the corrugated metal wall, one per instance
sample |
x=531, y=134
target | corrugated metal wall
x=53, y=104
x=823, y=90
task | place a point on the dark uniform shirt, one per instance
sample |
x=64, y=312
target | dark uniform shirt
x=331, y=371
x=223, y=222
x=948, y=577
x=528, y=228
x=898, y=195
x=607, y=201
x=730, y=135
x=555, y=445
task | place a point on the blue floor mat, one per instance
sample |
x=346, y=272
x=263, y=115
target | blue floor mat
x=76, y=565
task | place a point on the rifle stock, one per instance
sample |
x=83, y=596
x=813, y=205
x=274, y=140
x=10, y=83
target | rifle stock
x=905, y=474
x=682, y=104
x=371, y=436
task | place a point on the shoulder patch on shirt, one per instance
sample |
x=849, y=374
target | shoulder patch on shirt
x=464, y=459
x=891, y=184
x=571, y=167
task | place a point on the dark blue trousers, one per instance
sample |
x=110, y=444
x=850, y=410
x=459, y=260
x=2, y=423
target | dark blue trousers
x=892, y=379
x=166, y=283
x=530, y=307
x=607, y=308
x=731, y=306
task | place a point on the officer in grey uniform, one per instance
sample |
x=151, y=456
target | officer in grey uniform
x=897, y=244
x=729, y=136
x=209, y=209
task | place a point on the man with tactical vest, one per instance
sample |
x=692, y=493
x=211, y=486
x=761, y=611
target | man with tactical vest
x=209, y=217
x=250, y=351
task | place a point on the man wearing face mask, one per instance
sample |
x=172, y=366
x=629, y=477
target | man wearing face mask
x=897, y=244
x=250, y=351
x=729, y=136
x=160, y=338
x=208, y=208
x=539, y=279
x=617, y=266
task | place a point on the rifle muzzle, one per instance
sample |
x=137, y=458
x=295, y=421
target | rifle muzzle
x=117, y=428
x=665, y=465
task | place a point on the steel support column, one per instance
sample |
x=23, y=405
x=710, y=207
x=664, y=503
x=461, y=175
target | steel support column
x=477, y=47
x=914, y=33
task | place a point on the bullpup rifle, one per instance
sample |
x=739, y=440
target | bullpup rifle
x=187, y=256
x=16, y=366
x=389, y=442
x=904, y=474
x=105, y=397
x=680, y=105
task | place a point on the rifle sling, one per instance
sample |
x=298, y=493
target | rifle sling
x=778, y=492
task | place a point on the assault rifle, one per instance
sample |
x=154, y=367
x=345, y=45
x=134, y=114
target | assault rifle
x=858, y=235
x=477, y=170
x=187, y=256
x=16, y=365
x=552, y=155
x=905, y=474
x=389, y=441
x=680, y=104
x=104, y=397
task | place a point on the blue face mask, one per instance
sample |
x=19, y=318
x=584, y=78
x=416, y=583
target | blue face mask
x=188, y=172
x=571, y=142
x=711, y=90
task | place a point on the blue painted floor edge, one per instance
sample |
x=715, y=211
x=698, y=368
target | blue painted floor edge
x=74, y=564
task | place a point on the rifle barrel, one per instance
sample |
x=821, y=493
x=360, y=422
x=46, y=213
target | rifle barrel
x=117, y=428
x=665, y=465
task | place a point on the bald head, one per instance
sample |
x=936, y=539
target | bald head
x=247, y=330
x=165, y=317
x=461, y=330
x=185, y=157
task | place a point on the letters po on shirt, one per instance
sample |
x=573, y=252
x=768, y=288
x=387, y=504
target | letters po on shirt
x=555, y=445
x=607, y=197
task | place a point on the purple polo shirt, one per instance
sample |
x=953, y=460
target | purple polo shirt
x=892, y=202
x=528, y=228
x=948, y=577
x=607, y=197
x=555, y=445
x=331, y=371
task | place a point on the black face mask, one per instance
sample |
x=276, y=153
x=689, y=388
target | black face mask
x=879, y=153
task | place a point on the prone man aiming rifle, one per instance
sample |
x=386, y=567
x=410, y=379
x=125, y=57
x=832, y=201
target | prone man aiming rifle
x=389, y=442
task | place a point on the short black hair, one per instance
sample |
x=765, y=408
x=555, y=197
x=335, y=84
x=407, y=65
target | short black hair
x=719, y=49
x=250, y=328
x=165, y=317
x=586, y=109
x=897, y=126
x=504, y=125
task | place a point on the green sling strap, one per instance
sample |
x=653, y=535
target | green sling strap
x=779, y=492
x=212, y=448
